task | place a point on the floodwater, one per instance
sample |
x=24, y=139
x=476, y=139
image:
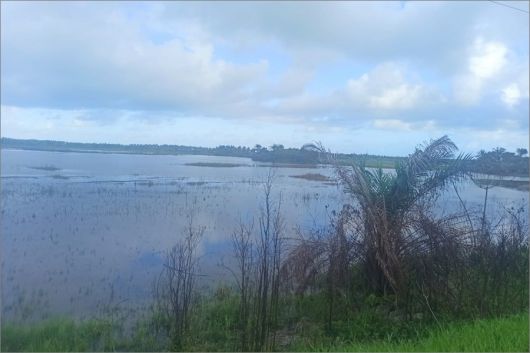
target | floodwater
x=82, y=231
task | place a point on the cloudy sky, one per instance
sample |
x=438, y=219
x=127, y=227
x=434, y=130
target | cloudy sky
x=359, y=77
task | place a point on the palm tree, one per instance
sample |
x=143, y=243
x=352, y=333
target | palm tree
x=389, y=205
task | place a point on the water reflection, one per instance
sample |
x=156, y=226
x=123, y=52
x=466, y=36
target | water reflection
x=80, y=230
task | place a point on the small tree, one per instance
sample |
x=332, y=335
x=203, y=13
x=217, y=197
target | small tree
x=243, y=245
x=389, y=203
x=258, y=274
x=176, y=285
x=521, y=152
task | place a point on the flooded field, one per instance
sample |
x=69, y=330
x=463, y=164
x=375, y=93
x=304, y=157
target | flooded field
x=81, y=231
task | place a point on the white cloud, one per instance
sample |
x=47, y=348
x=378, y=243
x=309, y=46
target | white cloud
x=372, y=30
x=400, y=125
x=386, y=88
x=392, y=124
x=467, y=89
x=511, y=95
x=486, y=62
x=332, y=65
x=90, y=58
x=402, y=97
x=488, y=59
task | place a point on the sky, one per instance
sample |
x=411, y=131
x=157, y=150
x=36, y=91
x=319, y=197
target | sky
x=359, y=77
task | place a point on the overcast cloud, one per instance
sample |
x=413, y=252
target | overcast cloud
x=360, y=77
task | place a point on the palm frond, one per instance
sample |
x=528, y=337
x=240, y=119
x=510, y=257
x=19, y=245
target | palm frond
x=450, y=170
x=428, y=156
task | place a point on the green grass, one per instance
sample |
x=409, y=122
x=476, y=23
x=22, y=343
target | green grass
x=509, y=334
x=214, y=325
x=56, y=335
x=68, y=335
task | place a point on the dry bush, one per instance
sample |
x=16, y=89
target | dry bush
x=175, y=287
x=259, y=259
x=462, y=264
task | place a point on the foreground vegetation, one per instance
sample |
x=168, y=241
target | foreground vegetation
x=387, y=272
x=506, y=334
x=68, y=335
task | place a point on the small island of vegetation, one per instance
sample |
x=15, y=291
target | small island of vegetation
x=498, y=162
x=385, y=274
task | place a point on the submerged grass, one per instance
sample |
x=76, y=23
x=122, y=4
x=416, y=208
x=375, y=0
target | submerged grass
x=48, y=168
x=312, y=176
x=216, y=164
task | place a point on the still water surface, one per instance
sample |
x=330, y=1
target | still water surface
x=82, y=230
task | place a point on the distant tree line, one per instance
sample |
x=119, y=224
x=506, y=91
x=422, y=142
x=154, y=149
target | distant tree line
x=276, y=153
x=501, y=162
x=496, y=162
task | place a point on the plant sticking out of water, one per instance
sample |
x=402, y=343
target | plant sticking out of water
x=175, y=288
x=48, y=168
x=258, y=274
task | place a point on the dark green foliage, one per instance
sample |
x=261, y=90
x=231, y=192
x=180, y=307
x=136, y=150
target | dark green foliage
x=409, y=268
x=509, y=334
x=276, y=154
x=501, y=162
x=214, y=323
x=496, y=162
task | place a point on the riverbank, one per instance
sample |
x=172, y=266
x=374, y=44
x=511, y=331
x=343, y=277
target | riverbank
x=505, y=334
x=504, y=164
x=292, y=157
